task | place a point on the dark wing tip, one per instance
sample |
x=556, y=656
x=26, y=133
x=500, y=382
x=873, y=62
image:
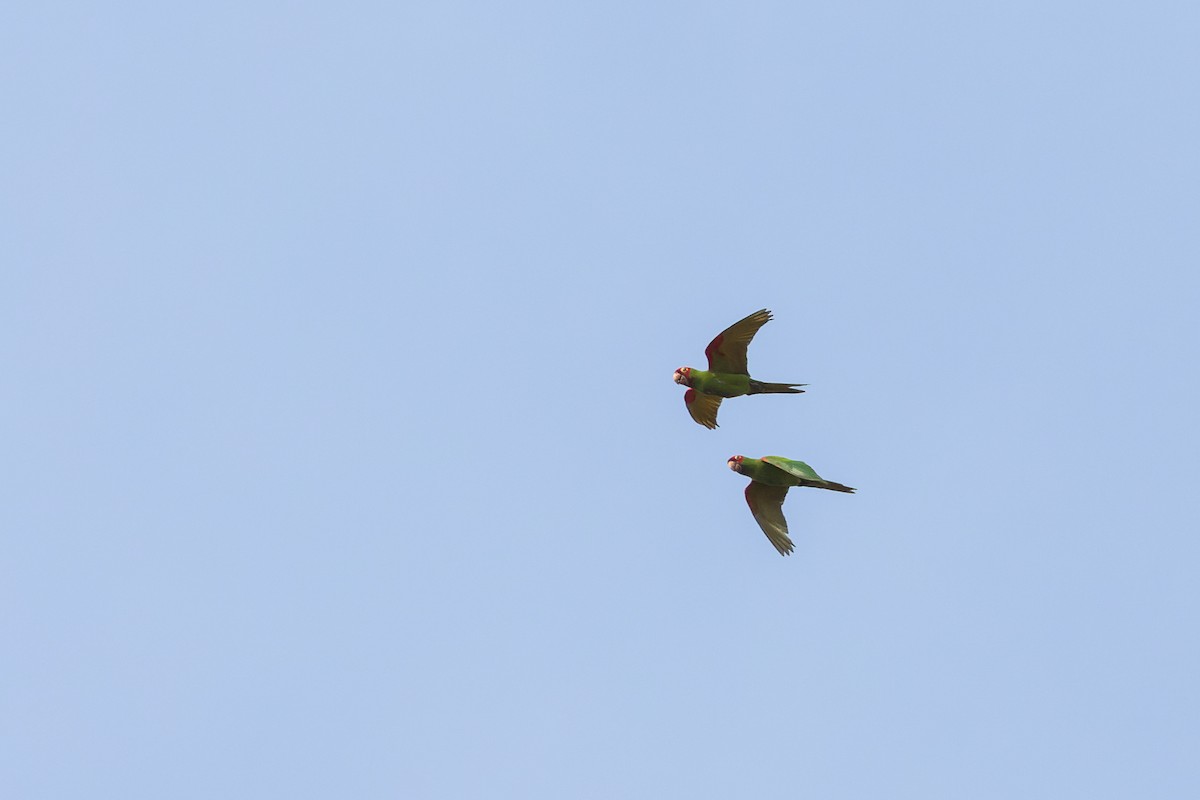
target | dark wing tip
x=761, y=317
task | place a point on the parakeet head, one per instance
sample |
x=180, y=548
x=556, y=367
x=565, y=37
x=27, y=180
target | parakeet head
x=735, y=463
x=683, y=376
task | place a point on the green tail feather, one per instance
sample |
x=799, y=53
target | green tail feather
x=758, y=387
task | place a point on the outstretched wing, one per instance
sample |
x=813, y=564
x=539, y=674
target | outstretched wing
x=766, y=504
x=798, y=469
x=702, y=407
x=727, y=352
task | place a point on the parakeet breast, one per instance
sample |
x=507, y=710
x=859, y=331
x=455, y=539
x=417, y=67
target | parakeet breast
x=721, y=384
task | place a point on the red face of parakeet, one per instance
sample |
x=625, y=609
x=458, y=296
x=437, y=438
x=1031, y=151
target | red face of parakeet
x=683, y=376
x=735, y=463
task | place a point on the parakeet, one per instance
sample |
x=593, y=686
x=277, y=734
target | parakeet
x=727, y=374
x=770, y=477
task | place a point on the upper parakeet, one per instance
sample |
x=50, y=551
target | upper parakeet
x=770, y=477
x=727, y=374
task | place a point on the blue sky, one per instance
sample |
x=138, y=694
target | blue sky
x=343, y=457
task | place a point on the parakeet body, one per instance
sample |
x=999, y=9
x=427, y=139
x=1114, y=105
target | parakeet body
x=770, y=478
x=720, y=384
x=727, y=374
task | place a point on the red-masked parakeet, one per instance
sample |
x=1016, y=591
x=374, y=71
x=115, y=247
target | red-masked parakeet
x=727, y=374
x=770, y=477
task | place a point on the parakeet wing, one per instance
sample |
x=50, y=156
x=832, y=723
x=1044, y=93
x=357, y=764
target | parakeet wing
x=766, y=504
x=805, y=473
x=796, y=468
x=702, y=407
x=727, y=352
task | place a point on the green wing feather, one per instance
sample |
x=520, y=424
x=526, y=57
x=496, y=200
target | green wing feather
x=804, y=472
x=766, y=504
x=797, y=468
x=727, y=352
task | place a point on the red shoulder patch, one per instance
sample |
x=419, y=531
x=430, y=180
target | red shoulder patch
x=714, y=348
x=689, y=396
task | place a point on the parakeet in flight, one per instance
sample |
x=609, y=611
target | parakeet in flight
x=770, y=477
x=727, y=374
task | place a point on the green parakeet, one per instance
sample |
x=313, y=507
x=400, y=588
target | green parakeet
x=727, y=374
x=770, y=478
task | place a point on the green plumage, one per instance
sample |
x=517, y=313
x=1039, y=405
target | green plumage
x=720, y=384
x=780, y=471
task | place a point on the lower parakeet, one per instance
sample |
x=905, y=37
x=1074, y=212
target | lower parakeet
x=770, y=478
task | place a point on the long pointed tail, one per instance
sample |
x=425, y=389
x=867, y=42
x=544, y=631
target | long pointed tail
x=837, y=487
x=758, y=387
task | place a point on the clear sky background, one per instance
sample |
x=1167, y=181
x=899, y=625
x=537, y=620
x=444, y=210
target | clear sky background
x=341, y=452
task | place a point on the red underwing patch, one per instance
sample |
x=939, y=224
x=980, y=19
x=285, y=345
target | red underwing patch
x=714, y=348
